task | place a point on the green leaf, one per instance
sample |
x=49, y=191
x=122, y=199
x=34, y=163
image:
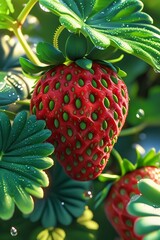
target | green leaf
x=48, y=54
x=102, y=194
x=150, y=159
x=32, y=69
x=128, y=166
x=23, y=157
x=140, y=206
x=8, y=93
x=6, y=22
x=84, y=63
x=6, y=7
x=64, y=201
x=146, y=207
x=150, y=190
x=145, y=225
x=121, y=24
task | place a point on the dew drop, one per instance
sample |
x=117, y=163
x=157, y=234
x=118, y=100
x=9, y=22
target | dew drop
x=13, y=232
x=62, y=203
x=140, y=113
x=88, y=195
x=44, y=8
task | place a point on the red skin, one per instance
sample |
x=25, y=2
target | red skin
x=80, y=152
x=119, y=197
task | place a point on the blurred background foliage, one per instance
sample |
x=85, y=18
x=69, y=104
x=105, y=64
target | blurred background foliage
x=143, y=117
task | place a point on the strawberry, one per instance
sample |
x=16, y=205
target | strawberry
x=85, y=110
x=120, y=191
x=119, y=197
x=81, y=97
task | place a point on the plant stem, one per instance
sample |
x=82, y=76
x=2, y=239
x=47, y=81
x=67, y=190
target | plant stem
x=25, y=102
x=133, y=130
x=26, y=10
x=118, y=159
x=29, y=52
x=18, y=32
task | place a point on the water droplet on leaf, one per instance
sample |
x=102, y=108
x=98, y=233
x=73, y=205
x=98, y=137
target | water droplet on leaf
x=88, y=195
x=13, y=231
x=43, y=8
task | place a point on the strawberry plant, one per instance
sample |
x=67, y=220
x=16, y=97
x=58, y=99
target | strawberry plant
x=79, y=85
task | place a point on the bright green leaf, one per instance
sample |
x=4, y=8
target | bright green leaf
x=6, y=7
x=48, y=54
x=32, y=69
x=121, y=24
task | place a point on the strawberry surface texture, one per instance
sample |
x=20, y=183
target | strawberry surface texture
x=85, y=110
x=119, y=197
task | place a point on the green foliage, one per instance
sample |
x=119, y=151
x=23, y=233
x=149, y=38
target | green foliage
x=6, y=7
x=126, y=27
x=83, y=228
x=147, y=208
x=64, y=201
x=117, y=30
x=23, y=157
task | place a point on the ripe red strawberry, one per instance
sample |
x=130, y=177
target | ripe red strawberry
x=85, y=110
x=119, y=197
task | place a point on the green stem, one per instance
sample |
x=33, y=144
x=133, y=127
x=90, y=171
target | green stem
x=25, y=102
x=118, y=159
x=133, y=130
x=18, y=32
x=29, y=52
x=26, y=10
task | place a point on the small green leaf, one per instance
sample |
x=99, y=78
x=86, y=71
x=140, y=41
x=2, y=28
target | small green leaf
x=150, y=159
x=102, y=194
x=32, y=69
x=23, y=157
x=128, y=166
x=104, y=177
x=48, y=54
x=84, y=63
